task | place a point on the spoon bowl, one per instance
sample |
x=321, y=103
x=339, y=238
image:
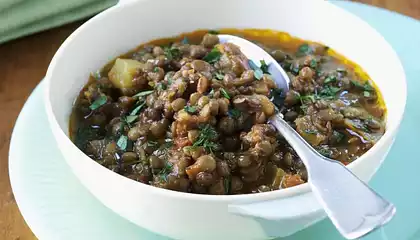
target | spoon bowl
x=353, y=207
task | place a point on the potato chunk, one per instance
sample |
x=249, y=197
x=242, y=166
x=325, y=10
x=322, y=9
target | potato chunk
x=123, y=72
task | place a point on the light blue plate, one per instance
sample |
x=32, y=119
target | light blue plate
x=56, y=206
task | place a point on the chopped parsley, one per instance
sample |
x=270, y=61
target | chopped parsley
x=213, y=56
x=190, y=109
x=96, y=75
x=304, y=50
x=330, y=79
x=366, y=93
x=144, y=93
x=364, y=86
x=131, y=118
x=310, y=131
x=163, y=173
x=185, y=40
x=98, y=102
x=206, y=138
x=137, y=109
x=172, y=53
x=234, y=113
x=219, y=76
x=264, y=67
x=313, y=63
x=122, y=142
x=214, y=32
x=224, y=93
x=258, y=73
x=277, y=97
x=227, y=182
x=156, y=69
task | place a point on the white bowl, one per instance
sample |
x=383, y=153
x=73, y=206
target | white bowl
x=190, y=216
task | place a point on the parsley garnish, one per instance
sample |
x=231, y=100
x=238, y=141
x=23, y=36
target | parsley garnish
x=366, y=93
x=234, y=113
x=313, y=63
x=190, y=109
x=213, y=56
x=258, y=73
x=98, y=102
x=338, y=136
x=122, y=142
x=304, y=50
x=163, y=173
x=131, y=118
x=161, y=86
x=224, y=93
x=227, y=182
x=264, y=67
x=185, y=40
x=366, y=86
x=137, y=109
x=206, y=138
x=219, y=76
x=277, y=97
x=214, y=32
x=144, y=93
x=96, y=75
x=310, y=131
x=330, y=79
x=325, y=152
x=172, y=53
x=155, y=69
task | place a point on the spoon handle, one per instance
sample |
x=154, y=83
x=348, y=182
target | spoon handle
x=353, y=207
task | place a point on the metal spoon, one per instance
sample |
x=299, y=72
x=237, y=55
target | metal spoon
x=353, y=207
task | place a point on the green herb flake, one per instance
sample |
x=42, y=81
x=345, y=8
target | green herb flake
x=366, y=94
x=313, y=63
x=98, y=102
x=161, y=86
x=364, y=86
x=206, y=138
x=338, y=136
x=311, y=131
x=227, y=183
x=185, y=40
x=325, y=152
x=96, y=75
x=137, y=109
x=131, y=118
x=213, y=56
x=224, y=93
x=172, y=53
x=304, y=50
x=258, y=73
x=234, y=113
x=219, y=76
x=122, y=142
x=214, y=32
x=330, y=79
x=264, y=67
x=190, y=109
x=156, y=69
x=144, y=93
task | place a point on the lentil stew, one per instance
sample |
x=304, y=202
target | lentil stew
x=190, y=114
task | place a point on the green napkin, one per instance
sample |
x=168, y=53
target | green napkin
x=22, y=17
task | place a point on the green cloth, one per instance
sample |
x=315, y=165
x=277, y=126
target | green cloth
x=23, y=17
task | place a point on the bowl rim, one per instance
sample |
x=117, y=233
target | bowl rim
x=254, y=197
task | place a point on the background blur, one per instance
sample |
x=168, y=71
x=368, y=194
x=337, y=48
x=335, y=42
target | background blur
x=24, y=61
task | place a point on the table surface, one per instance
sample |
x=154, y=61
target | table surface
x=24, y=62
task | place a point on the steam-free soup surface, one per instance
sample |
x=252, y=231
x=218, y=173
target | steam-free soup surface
x=190, y=114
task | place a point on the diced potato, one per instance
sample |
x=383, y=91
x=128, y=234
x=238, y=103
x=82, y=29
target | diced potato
x=123, y=72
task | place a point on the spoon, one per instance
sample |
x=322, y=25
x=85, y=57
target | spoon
x=353, y=207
